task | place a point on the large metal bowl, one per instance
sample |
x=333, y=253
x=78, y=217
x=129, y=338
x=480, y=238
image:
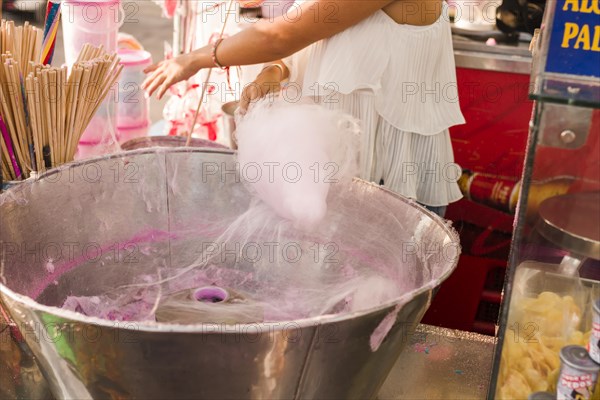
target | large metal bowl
x=108, y=204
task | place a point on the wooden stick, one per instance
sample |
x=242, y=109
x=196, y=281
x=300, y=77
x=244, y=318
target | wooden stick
x=10, y=45
x=16, y=96
x=49, y=139
x=63, y=96
x=57, y=115
x=68, y=105
x=50, y=108
x=83, y=53
x=7, y=168
x=10, y=124
x=10, y=121
x=18, y=42
x=95, y=71
x=2, y=36
x=99, y=82
x=33, y=110
x=40, y=121
x=30, y=49
x=107, y=88
x=74, y=105
x=19, y=110
x=7, y=173
x=38, y=45
x=23, y=44
x=81, y=106
x=53, y=102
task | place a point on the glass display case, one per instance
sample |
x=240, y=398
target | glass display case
x=549, y=330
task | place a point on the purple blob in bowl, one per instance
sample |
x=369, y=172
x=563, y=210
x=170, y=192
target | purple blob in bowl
x=211, y=294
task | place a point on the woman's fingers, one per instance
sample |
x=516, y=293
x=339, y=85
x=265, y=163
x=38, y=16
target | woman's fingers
x=269, y=87
x=253, y=92
x=155, y=80
x=155, y=83
x=151, y=78
x=166, y=73
x=152, y=68
x=164, y=87
x=246, y=97
x=163, y=77
x=244, y=101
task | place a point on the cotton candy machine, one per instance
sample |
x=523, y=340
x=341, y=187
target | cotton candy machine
x=130, y=223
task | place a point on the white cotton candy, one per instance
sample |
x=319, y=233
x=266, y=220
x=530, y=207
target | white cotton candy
x=374, y=291
x=291, y=153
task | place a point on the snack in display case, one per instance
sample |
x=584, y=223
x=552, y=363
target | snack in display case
x=548, y=313
x=538, y=328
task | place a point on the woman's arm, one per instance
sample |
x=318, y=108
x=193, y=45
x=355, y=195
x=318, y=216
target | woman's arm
x=267, y=41
x=314, y=20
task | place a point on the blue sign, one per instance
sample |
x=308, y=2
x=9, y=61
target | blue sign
x=575, y=38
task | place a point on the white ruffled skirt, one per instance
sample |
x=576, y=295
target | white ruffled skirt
x=420, y=167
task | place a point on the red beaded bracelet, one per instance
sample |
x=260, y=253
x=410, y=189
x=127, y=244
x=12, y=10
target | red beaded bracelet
x=214, y=54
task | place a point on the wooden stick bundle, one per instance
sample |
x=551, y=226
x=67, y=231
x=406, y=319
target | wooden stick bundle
x=47, y=112
x=23, y=42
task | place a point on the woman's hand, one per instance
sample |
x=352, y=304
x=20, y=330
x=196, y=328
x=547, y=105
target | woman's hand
x=169, y=72
x=268, y=81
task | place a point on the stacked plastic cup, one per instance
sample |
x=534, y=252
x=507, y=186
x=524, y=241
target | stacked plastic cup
x=133, y=116
x=96, y=22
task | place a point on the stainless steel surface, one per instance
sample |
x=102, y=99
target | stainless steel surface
x=441, y=363
x=83, y=357
x=229, y=121
x=8, y=184
x=556, y=120
x=475, y=54
x=437, y=363
x=20, y=377
x=168, y=141
x=475, y=15
x=571, y=222
x=515, y=50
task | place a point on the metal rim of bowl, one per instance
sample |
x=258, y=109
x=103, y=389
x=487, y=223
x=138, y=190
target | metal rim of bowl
x=260, y=327
x=150, y=140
